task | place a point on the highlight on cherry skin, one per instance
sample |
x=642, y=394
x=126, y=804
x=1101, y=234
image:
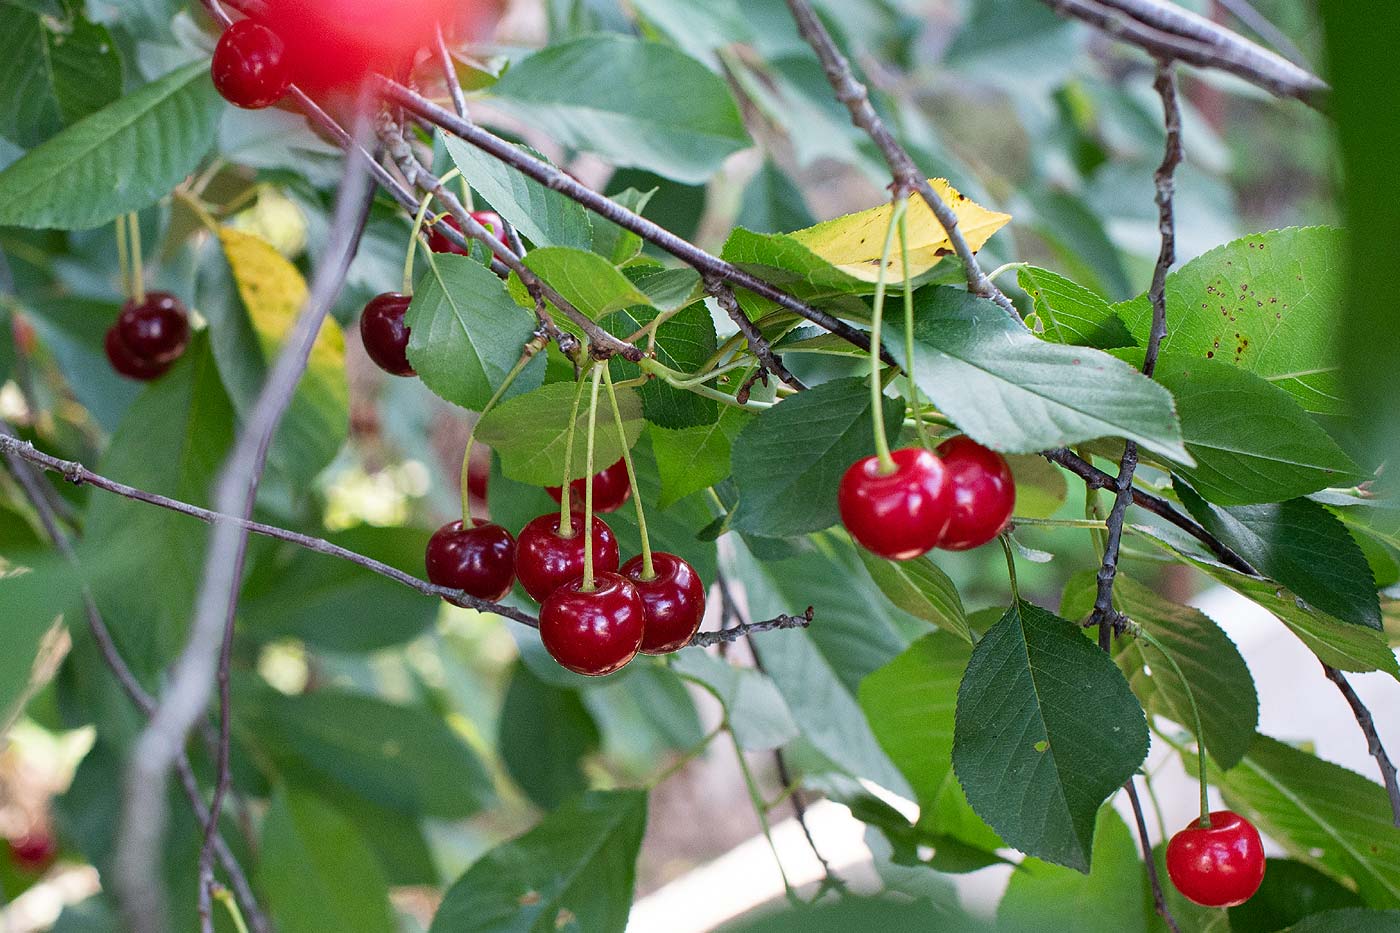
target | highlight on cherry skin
x=1221, y=865
x=594, y=632
x=899, y=515
x=611, y=490
x=545, y=559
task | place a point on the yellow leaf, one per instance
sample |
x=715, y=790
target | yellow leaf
x=855, y=242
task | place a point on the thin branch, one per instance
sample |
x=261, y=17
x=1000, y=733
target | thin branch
x=1373, y=738
x=1105, y=616
x=1262, y=26
x=1159, y=899
x=907, y=177
x=449, y=76
x=735, y=633
x=769, y=361
x=1165, y=30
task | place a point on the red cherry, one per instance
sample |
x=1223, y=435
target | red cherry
x=984, y=493
x=545, y=561
x=611, y=489
x=597, y=632
x=385, y=335
x=156, y=330
x=35, y=851
x=127, y=363
x=493, y=223
x=441, y=244
x=250, y=66
x=479, y=472
x=1217, y=866
x=674, y=599
x=900, y=515
x=479, y=560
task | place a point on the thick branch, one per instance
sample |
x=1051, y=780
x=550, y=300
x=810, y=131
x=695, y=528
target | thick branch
x=758, y=344
x=1373, y=738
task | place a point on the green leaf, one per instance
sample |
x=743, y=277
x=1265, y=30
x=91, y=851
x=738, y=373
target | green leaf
x=116, y=160
x=1014, y=392
x=1047, y=729
x=921, y=589
x=575, y=870
x=694, y=459
x=466, y=334
x=698, y=28
x=847, y=914
x=1070, y=313
x=1301, y=545
x=1252, y=441
x=540, y=214
x=545, y=733
x=791, y=265
x=773, y=203
x=1111, y=898
x=675, y=528
x=52, y=73
x=1321, y=813
x=1291, y=891
x=1349, y=920
x=683, y=343
x=601, y=94
x=335, y=604
x=400, y=757
x=1040, y=486
x=756, y=711
x=37, y=600
x=588, y=281
x=788, y=462
x=1267, y=303
x=612, y=242
x=317, y=872
x=530, y=433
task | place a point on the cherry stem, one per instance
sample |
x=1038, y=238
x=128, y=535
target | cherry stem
x=526, y=356
x=648, y=570
x=1011, y=568
x=1195, y=715
x=877, y=392
x=138, y=275
x=909, y=332
x=566, y=515
x=588, y=585
x=122, y=260
x=418, y=221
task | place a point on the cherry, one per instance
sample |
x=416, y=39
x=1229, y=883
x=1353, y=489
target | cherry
x=250, y=66
x=545, y=560
x=35, y=851
x=984, y=493
x=127, y=363
x=479, y=560
x=1221, y=865
x=479, y=472
x=385, y=335
x=488, y=219
x=156, y=330
x=595, y=632
x=611, y=489
x=899, y=515
x=674, y=599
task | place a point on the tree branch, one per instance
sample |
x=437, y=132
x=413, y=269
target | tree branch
x=758, y=345
x=1373, y=738
x=1159, y=899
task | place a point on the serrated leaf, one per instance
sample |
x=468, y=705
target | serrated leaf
x=576, y=869
x=1291, y=891
x=601, y=94
x=1349, y=920
x=695, y=458
x=545, y=732
x=586, y=280
x=540, y=214
x=757, y=712
x=1014, y=392
x=855, y=243
x=530, y=433
x=773, y=203
x=921, y=589
x=119, y=159
x=613, y=243
x=52, y=73
x=1322, y=813
x=466, y=333
x=684, y=343
x=792, y=266
x=1047, y=729
x=788, y=462
x=1071, y=314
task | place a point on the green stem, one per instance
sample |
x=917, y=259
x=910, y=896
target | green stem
x=531, y=349
x=566, y=515
x=999, y=270
x=758, y=808
x=588, y=584
x=418, y=222
x=673, y=378
x=648, y=571
x=225, y=898
x=877, y=395
x=909, y=334
x=1091, y=523
x=685, y=759
x=122, y=260
x=1195, y=715
x=1011, y=568
x=138, y=273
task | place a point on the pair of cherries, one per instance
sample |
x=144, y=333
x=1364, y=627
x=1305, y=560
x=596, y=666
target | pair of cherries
x=382, y=327
x=592, y=632
x=957, y=499
x=1219, y=865
x=148, y=336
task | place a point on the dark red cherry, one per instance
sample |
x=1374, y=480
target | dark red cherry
x=983, y=489
x=441, y=244
x=385, y=335
x=545, y=561
x=35, y=851
x=901, y=515
x=479, y=560
x=479, y=472
x=1221, y=865
x=157, y=330
x=674, y=599
x=127, y=363
x=250, y=66
x=597, y=632
x=611, y=489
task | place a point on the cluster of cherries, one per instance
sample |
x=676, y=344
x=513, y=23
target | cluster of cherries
x=148, y=336
x=957, y=499
x=592, y=631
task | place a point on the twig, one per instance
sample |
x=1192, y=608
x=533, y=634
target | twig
x=1105, y=616
x=1165, y=30
x=758, y=345
x=739, y=632
x=1159, y=899
x=1246, y=13
x=187, y=691
x=449, y=76
x=1373, y=738
x=907, y=177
